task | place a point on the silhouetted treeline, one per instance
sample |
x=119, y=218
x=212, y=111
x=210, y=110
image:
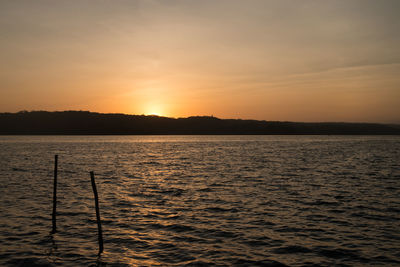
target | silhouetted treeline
x=84, y=122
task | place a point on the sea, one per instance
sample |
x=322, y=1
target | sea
x=201, y=200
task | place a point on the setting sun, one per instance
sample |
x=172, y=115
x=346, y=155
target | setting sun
x=154, y=109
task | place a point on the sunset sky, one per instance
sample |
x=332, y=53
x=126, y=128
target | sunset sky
x=297, y=60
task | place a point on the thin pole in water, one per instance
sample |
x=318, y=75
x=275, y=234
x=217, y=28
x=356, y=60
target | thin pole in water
x=54, y=195
x=96, y=201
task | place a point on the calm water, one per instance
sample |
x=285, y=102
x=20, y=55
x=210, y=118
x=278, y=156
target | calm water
x=202, y=200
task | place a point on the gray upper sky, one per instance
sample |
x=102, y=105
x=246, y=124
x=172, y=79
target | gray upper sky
x=304, y=60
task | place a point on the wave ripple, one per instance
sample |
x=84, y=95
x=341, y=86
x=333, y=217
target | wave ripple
x=202, y=201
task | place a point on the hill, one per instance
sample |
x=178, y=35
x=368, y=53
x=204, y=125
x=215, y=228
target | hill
x=87, y=123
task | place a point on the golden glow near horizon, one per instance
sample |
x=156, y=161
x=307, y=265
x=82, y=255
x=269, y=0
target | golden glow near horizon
x=154, y=109
x=273, y=60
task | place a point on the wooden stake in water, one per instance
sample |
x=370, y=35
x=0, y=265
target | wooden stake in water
x=54, y=195
x=96, y=200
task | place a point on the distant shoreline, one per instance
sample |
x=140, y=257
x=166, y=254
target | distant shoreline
x=91, y=123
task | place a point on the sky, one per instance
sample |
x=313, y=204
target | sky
x=281, y=60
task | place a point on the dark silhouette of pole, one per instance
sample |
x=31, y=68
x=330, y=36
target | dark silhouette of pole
x=54, y=195
x=96, y=201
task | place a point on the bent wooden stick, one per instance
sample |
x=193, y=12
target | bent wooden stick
x=96, y=200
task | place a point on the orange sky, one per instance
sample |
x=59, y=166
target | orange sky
x=300, y=60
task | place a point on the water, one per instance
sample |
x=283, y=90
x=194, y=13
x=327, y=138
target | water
x=202, y=200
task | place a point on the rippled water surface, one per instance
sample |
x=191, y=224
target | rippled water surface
x=202, y=200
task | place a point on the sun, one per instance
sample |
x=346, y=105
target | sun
x=154, y=109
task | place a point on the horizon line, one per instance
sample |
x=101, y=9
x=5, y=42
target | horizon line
x=192, y=116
